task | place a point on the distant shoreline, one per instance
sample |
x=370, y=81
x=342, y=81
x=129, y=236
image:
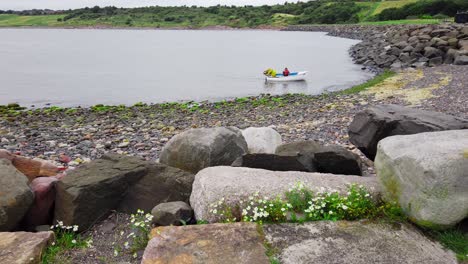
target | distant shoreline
x=107, y=27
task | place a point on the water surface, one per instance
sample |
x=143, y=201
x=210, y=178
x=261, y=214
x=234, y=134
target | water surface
x=86, y=67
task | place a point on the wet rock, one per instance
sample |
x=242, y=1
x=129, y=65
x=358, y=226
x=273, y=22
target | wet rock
x=427, y=175
x=172, y=213
x=238, y=243
x=196, y=149
x=15, y=196
x=23, y=247
x=375, y=123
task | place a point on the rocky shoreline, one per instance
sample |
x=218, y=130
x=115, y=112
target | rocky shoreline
x=401, y=46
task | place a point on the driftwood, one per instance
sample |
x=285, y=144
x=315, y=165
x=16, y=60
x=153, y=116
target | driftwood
x=32, y=168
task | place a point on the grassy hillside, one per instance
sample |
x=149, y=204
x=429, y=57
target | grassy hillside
x=312, y=12
x=390, y=4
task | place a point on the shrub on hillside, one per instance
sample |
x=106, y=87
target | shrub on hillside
x=424, y=8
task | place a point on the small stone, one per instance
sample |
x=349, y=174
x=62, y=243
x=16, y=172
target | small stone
x=123, y=144
x=172, y=213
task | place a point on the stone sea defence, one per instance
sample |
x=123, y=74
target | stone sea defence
x=400, y=46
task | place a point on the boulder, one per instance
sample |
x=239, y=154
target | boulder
x=453, y=42
x=378, y=122
x=275, y=162
x=160, y=184
x=461, y=60
x=23, y=247
x=451, y=55
x=34, y=168
x=235, y=184
x=325, y=158
x=41, y=211
x=427, y=174
x=238, y=243
x=262, y=139
x=196, y=149
x=358, y=242
x=172, y=213
x=436, y=61
x=15, y=196
x=430, y=52
x=90, y=192
x=463, y=44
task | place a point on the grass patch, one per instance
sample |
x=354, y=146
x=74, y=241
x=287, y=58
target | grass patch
x=66, y=238
x=391, y=4
x=372, y=82
x=454, y=240
x=301, y=205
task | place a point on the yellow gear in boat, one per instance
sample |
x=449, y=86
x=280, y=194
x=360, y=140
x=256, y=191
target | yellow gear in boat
x=270, y=72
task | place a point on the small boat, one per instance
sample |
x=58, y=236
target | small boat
x=293, y=76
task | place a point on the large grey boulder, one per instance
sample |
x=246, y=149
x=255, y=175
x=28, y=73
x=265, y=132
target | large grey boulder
x=196, y=149
x=160, y=184
x=325, y=158
x=172, y=213
x=328, y=242
x=235, y=184
x=378, y=122
x=262, y=139
x=89, y=193
x=427, y=174
x=15, y=196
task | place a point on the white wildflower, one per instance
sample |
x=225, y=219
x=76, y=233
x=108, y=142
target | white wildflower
x=75, y=228
x=73, y=241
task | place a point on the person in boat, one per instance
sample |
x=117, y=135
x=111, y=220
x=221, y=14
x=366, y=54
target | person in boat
x=285, y=72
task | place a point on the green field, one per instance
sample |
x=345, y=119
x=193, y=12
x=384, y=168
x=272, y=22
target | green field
x=390, y=4
x=15, y=20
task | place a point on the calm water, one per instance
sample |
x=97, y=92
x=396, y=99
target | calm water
x=86, y=67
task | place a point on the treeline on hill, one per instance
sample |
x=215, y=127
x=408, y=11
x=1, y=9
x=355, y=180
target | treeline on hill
x=425, y=9
x=319, y=12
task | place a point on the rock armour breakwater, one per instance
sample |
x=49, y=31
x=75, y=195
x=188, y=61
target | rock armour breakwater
x=401, y=46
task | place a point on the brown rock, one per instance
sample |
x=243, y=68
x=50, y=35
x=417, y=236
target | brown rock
x=23, y=247
x=236, y=243
x=5, y=154
x=32, y=168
